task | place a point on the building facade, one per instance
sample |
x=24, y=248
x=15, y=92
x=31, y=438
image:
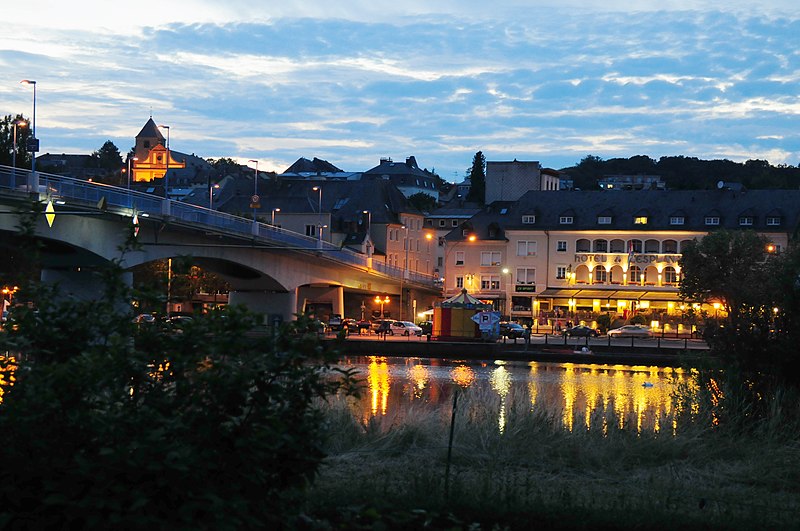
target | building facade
x=580, y=253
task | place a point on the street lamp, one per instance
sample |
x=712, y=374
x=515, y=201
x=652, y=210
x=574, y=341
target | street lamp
x=211, y=195
x=273, y=215
x=17, y=123
x=319, y=209
x=405, y=271
x=33, y=125
x=255, y=197
x=380, y=301
x=166, y=173
x=129, y=170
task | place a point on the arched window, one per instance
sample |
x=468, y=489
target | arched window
x=600, y=275
x=601, y=246
x=683, y=245
x=617, y=246
x=670, y=246
x=652, y=246
x=635, y=274
x=583, y=246
x=635, y=244
x=670, y=275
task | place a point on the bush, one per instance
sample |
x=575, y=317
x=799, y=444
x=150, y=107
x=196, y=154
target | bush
x=110, y=425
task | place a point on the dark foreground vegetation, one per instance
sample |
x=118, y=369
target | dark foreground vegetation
x=107, y=424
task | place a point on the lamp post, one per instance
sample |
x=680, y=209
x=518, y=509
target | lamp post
x=129, y=170
x=405, y=271
x=383, y=301
x=33, y=125
x=17, y=123
x=255, y=189
x=166, y=173
x=211, y=195
x=319, y=209
x=273, y=215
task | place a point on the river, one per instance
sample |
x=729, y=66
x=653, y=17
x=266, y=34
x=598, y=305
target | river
x=580, y=396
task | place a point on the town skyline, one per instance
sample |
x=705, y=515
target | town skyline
x=354, y=83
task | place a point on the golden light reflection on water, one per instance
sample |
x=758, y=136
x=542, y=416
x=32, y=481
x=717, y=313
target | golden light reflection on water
x=586, y=397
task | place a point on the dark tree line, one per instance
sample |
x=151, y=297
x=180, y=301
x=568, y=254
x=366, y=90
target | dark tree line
x=686, y=173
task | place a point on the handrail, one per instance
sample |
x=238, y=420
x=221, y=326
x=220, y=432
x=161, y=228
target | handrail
x=89, y=194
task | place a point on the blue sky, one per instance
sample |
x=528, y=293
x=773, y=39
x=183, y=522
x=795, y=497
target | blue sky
x=353, y=81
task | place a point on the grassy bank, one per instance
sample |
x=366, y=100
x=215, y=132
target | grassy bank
x=390, y=473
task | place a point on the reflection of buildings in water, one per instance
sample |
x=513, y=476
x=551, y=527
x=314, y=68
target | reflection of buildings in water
x=378, y=382
x=589, y=396
x=501, y=383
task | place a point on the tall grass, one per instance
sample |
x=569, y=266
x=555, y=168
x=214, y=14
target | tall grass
x=702, y=475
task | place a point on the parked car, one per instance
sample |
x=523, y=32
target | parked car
x=581, y=331
x=427, y=327
x=405, y=328
x=630, y=331
x=382, y=325
x=512, y=330
x=335, y=323
x=350, y=324
x=144, y=318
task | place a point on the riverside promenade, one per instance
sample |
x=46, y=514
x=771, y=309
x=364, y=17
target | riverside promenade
x=673, y=352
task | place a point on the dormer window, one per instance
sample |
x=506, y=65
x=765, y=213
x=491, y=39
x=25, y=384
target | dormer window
x=565, y=220
x=676, y=220
x=528, y=220
x=712, y=220
x=604, y=220
x=773, y=221
x=746, y=221
x=640, y=220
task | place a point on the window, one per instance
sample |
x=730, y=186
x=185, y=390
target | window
x=670, y=275
x=635, y=273
x=528, y=220
x=459, y=258
x=712, y=220
x=640, y=220
x=565, y=220
x=454, y=223
x=635, y=245
x=746, y=221
x=676, y=220
x=561, y=272
x=490, y=282
x=526, y=275
x=525, y=248
x=311, y=230
x=504, y=211
x=773, y=221
x=465, y=232
x=604, y=220
x=490, y=258
x=441, y=223
x=670, y=246
x=601, y=246
x=147, y=143
x=459, y=282
x=600, y=275
x=439, y=261
x=561, y=246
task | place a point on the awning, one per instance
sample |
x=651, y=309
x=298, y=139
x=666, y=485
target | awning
x=615, y=294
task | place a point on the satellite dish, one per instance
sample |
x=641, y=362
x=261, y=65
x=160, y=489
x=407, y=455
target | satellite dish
x=720, y=184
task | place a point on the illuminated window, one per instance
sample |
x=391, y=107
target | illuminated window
x=635, y=273
x=490, y=258
x=490, y=282
x=640, y=220
x=600, y=274
x=526, y=275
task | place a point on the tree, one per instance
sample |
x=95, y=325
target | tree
x=422, y=202
x=135, y=427
x=108, y=157
x=7, y=141
x=477, y=178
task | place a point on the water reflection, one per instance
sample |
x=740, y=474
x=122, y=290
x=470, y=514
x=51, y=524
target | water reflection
x=582, y=396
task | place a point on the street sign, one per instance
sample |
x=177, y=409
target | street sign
x=486, y=320
x=32, y=145
x=255, y=199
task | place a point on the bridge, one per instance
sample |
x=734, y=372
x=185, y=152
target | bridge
x=271, y=270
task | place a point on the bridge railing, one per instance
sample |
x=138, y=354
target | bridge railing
x=90, y=194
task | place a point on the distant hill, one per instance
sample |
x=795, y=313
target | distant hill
x=686, y=173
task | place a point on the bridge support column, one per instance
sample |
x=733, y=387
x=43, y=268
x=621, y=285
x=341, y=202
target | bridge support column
x=267, y=303
x=82, y=283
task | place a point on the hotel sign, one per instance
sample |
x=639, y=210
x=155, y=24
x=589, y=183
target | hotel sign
x=525, y=288
x=617, y=258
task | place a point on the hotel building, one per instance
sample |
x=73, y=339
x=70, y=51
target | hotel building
x=579, y=253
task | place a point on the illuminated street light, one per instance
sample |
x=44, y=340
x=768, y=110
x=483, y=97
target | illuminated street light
x=211, y=195
x=383, y=301
x=32, y=142
x=273, y=215
x=17, y=123
x=319, y=209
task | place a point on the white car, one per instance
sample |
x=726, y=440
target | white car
x=630, y=331
x=405, y=328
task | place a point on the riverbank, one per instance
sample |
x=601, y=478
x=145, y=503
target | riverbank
x=663, y=352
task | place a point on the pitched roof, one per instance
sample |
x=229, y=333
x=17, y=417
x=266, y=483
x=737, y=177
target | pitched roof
x=150, y=130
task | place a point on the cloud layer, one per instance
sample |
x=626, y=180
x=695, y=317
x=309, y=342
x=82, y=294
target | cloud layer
x=360, y=84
